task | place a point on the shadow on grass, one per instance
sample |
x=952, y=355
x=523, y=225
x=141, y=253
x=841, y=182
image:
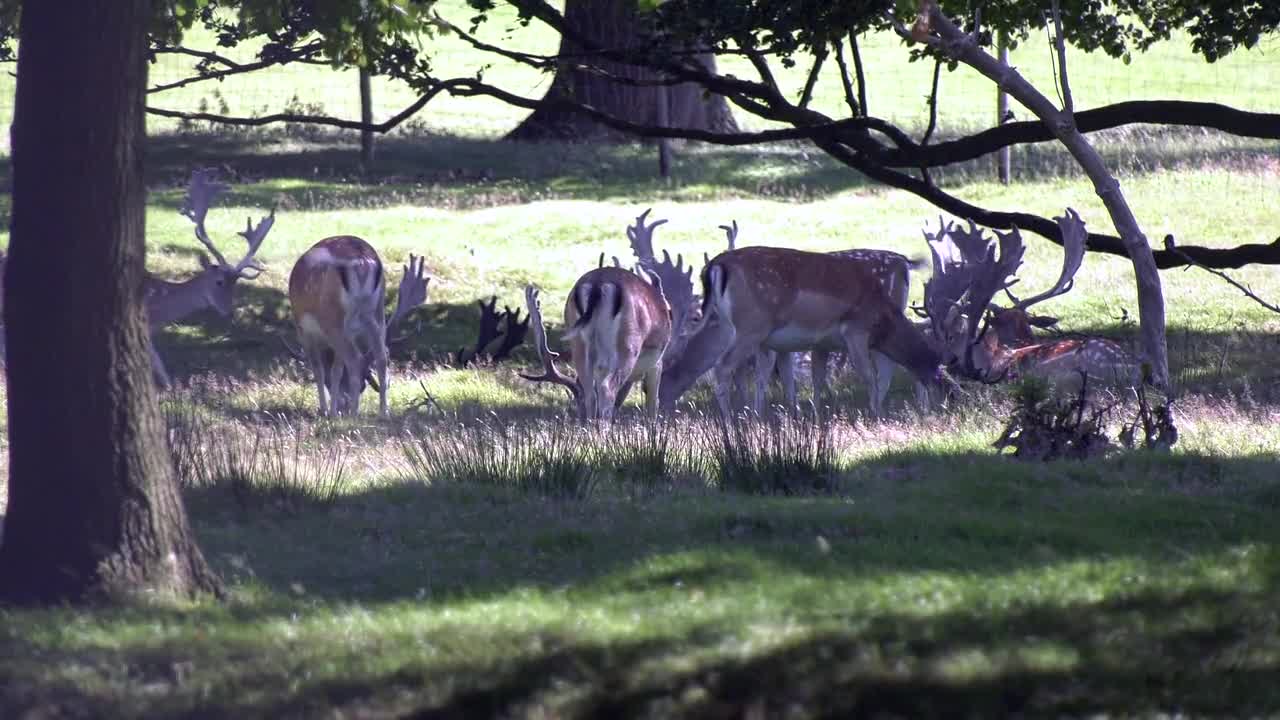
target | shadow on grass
x=443, y=171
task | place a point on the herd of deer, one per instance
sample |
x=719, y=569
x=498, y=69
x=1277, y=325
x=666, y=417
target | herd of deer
x=759, y=306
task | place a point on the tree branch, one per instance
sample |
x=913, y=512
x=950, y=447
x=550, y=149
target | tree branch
x=1060, y=44
x=858, y=72
x=1170, y=246
x=807, y=94
x=854, y=107
x=233, y=68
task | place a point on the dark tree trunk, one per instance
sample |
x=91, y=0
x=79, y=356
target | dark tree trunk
x=615, y=24
x=94, y=509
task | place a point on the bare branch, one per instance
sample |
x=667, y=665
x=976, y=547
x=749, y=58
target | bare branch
x=232, y=68
x=858, y=73
x=1171, y=247
x=1060, y=44
x=807, y=94
x=845, y=82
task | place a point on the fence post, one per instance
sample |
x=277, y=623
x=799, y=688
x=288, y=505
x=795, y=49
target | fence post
x=366, y=117
x=1003, y=157
x=664, y=120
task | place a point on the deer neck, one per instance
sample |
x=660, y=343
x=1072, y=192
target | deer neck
x=901, y=341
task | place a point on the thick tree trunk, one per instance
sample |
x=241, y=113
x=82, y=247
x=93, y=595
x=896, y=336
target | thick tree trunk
x=615, y=24
x=94, y=509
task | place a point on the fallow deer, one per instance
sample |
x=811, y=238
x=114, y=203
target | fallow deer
x=968, y=272
x=337, y=290
x=618, y=328
x=892, y=270
x=214, y=286
x=779, y=299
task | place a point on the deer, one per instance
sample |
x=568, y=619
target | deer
x=969, y=270
x=619, y=327
x=214, y=286
x=891, y=269
x=784, y=300
x=337, y=292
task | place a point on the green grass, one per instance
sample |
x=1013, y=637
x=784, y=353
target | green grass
x=479, y=556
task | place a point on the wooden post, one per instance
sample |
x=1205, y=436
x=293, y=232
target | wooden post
x=1003, y=158
x=366, y=117
x=664, y=120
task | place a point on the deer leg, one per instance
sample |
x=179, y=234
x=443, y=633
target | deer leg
x=860, y=359
x=765, y=363
x=818, y=360
x=787, y=374
x=884, y=376
x=741, y=350
x=650, y=382
x=157, y=369
x=380, y=366
x=623, y=392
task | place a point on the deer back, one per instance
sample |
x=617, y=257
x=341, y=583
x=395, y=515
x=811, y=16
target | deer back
x=630, y=312
x=337, y=288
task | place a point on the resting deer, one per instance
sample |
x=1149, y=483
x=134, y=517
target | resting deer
x=968, y=272
x=619, y=328
x=337, y=290
x=893, y=272
x=212, y=287
x=784, y=300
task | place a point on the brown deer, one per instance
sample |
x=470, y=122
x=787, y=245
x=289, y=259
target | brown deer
x=969, y=271
x=337, y=290
x=763, y=298
x=619, y=327
x=893, y=272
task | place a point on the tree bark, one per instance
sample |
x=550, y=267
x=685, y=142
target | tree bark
x=94, y=507
x=616, y=24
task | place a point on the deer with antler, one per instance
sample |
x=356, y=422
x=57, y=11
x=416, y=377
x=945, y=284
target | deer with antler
x=968, y=272
x=620, y=330
x=212, y=287
x=890, y=269
x=337, y=291
x=783, y=300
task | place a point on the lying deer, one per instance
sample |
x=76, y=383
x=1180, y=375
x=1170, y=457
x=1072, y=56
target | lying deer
x=214, y=286
x=787, y=300
x=337, y=290
x=968, y=272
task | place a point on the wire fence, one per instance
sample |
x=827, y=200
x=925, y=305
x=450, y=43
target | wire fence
x=897, y=90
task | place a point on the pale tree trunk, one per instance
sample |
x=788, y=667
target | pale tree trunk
x=616, y=24
x=94, y=507
x=958, y=45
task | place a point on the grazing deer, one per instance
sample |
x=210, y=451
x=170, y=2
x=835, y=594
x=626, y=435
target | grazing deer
x=968, y=272
x=893, y=272
x=619, y=328
x=212, y=287
x=785, y=300
x=337, y=290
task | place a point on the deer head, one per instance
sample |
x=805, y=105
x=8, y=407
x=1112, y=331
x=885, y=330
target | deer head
x=217, y=278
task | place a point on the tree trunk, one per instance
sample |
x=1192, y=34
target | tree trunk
x=616, y=24
x=94, y=508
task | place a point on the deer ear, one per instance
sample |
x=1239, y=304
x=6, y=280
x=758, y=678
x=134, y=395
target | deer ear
x=1042, y=321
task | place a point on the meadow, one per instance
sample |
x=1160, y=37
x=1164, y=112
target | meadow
x=478, y=555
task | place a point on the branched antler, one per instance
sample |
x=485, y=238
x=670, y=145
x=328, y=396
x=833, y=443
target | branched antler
x=550, y=373
x=202, y=190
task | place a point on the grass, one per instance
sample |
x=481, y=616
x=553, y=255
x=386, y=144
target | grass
x=476, y=555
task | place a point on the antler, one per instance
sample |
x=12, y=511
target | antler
x=254, y=237
x=413, y=291
x=731, y=232
x=550, y=373
x=1073, y=246
x=641, y=235
x=202, y=190
x=489, y=319
x=514, y=334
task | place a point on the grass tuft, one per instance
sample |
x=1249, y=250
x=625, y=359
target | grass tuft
x=774, y=454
